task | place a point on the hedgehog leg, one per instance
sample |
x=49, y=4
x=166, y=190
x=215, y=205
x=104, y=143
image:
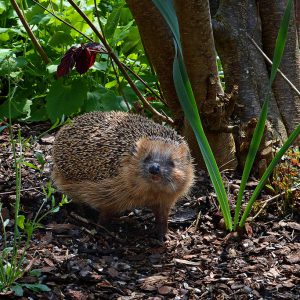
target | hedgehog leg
x=105, y=216
x=161, y=213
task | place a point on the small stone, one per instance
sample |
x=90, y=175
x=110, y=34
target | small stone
x=247, y=289
x=165, y=290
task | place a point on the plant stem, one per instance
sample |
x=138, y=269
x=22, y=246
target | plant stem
x=271, y=63
x=112, y=63
x=167, y=119
x=35, y=42
x=120, y=65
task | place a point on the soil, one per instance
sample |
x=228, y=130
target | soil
x=80, y=259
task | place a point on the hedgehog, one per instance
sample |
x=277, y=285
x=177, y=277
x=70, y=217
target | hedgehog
x=117, y=161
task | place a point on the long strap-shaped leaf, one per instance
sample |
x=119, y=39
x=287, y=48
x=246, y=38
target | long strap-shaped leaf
x=259, y=129
x=167, y=11
x=267, y=173
x=188, y=103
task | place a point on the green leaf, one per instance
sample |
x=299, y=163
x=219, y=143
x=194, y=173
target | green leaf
x=20, y=221
x=55, y=209
x=260, y=126
x=281, y=39
x=112, y=22
x=40, y=158
x=66, y=99
x=4, y=34
x=268, y=172
x=100, y=66
x=36, y=272
x=37, y=287
x=41, y=19
x=60, y=38
x=32, y=11
x=111, y=84
x=18, y=290
x=168, y=12
x=64, y=200
x=4, y=53
x=18, y=108
x=132, y=41
x=29, y=228
x=104, y=100
x=188, y=103
x=125, y=16
x=7, y=250
x=30, y=165
x=3, y=7
x=38, y=113
x=121, y=33
x=254, y=146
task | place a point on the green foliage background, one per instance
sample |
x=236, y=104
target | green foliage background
x=39, y=96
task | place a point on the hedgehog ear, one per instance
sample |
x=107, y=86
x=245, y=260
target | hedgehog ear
x=184, y=151
x=142, y=145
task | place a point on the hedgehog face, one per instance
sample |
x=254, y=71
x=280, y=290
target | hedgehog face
x=163, y=165
x=157, y=167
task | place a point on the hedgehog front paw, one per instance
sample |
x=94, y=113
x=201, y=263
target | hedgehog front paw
x=161, y=229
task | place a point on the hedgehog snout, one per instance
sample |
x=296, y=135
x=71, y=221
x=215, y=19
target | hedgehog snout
x=154, y=168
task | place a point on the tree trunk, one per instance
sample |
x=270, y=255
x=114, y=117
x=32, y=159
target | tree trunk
x=200, y=60
x=297, y=17
x=243, y=65
x=287, y=100
x=235, y=23
x=158, y=44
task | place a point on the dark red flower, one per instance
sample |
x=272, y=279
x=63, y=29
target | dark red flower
x=67, y=62
x=85, y=59
x=150, y=98
x=82, y=57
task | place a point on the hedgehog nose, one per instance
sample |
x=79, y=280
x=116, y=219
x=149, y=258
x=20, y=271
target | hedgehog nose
x=154, y=169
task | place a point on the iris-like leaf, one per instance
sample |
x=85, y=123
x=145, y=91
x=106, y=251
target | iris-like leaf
x=260, y=126
x=268, y=172
x=188, y=103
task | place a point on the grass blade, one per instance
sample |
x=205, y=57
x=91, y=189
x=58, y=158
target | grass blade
x=267, y=173
x=254, y=146
x=188, y=103
x=280, y=41
x=259, y=129
x=167, y=11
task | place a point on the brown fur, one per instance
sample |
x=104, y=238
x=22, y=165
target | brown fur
x=98, y=159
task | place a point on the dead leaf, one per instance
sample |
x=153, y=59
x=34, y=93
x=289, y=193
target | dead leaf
x=152, y=282
x=248, y=229
x=187, y=262
x=165, y=290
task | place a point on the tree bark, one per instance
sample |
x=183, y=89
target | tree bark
x=243, y=65
x=287, y=100
x=158, y=44
x=297, y=17
x=200, y=60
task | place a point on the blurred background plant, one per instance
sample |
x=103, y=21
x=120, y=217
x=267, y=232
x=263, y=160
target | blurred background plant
x=39, y=95
x=285, y=181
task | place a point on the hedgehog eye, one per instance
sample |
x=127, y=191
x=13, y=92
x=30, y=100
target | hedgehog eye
x=148, y=158
x=171, y=163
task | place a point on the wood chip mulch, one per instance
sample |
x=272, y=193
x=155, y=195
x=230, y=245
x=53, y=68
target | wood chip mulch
x=80, y=259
